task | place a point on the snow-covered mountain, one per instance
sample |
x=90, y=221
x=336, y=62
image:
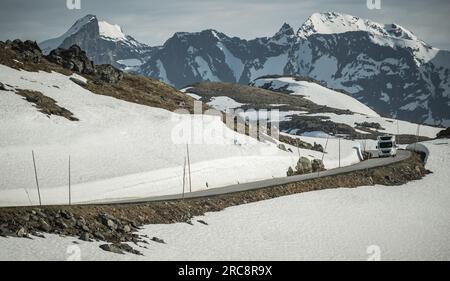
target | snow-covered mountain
x=384, y=66
x=104, y=43
x=213, y=56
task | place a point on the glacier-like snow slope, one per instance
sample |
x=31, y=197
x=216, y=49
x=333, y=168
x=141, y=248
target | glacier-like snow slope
x=118, y=149
x=329, y=23
x=324, y=96
x=111, y=31
x=407, y=222
x=318, y=94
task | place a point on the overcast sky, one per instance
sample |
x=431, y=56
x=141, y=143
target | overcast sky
x=153, y=22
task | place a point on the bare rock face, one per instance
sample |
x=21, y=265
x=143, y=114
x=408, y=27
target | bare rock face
x=444, y=134
x=73, y=59
x=28, y=50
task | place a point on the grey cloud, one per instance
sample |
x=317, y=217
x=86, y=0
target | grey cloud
x=153, y=22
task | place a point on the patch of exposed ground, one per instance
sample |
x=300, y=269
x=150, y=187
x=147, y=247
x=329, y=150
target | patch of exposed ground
x=145, y=91
x=27, y=56
x=46, y=105
x=117, y=224
x=258, y=98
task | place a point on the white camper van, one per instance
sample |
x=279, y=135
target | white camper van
x=387, y=146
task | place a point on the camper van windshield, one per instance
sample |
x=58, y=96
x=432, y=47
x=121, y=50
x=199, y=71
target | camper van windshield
x=386, y=145
x=386, y=138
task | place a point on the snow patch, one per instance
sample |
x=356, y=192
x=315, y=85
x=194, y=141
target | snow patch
x=111, y=31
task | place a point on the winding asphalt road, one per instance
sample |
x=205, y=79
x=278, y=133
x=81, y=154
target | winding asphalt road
x=371, y=163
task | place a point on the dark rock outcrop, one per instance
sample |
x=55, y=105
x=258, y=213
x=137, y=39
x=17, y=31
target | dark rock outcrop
x=73, y=59
x=444, y=134
x=28, y=50
x=108, y=73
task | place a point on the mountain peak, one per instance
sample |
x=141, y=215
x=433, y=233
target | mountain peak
x=80, y=23
x=51, y=44
x=286, y=29
x=284, y=35
x=334, y=23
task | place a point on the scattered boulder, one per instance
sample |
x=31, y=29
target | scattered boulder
x=26, y=217
x=66, y=214
x=41, y=214
x=119, y=248
x=111, y=225
x=3, y=87
x=111, y=248
x=85, y=236
x=158, y=240
x=109, y=221
x=282, y=147
x=108, y=73
x=21, y=232
x=303, y=166
x=299, y=143
x=317, y=147
x=371, y=125
x=290, y=172
x=367, y=155
x=81, y=222
x=126, y=229
x=317, y=165
x=78, y=82
x=99, y=236
x=60, y=223
x=43, y=225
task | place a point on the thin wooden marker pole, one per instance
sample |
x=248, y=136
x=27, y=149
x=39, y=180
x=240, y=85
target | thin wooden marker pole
x=339, y=152
x=184, y=176
x=36, y=177
x=70, y=187
x=189, y=168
